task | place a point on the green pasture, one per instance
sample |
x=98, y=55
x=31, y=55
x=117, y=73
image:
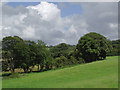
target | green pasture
x=99, y=74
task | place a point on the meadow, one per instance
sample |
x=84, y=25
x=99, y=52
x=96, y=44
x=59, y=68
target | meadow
x=98, y=74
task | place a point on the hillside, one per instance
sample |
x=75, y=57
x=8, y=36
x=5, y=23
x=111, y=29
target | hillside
x=99, y=74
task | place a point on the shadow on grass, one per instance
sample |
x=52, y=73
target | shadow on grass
x=17, y=74
x=5, y=74
x=12, y=75
x=20, y=74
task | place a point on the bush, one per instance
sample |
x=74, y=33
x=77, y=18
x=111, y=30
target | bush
x=81, y=60
x=61, y=61
x=73, y=60
x=58, y=62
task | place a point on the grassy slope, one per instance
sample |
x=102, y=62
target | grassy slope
x=100, y=74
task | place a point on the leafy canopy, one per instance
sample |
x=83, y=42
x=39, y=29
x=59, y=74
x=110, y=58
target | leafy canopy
x=92, y=47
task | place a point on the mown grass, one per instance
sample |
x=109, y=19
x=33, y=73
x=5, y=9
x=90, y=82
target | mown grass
x=99, y=74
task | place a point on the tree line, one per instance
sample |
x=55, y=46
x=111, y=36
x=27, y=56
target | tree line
x=26, y=54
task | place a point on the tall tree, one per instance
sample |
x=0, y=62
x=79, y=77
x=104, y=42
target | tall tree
x=33, y=52
x=40, y=54
x=8, y=44
x=21, y=53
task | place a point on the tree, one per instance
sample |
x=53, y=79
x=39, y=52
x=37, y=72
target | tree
x=4, y=65
x=40, y=54
x=72, y=60
x=58, y=62
x=49, y=60
x=33, y=52
x=116, y=48
x=6, y=61
x=22, y=56
x=61, y=50
x=8, y=44
x=61, y=61
x=64, y=60
x=92, y=47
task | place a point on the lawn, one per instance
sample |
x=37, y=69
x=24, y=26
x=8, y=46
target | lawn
x=99, y=74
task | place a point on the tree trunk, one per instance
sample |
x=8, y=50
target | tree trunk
x=47, y=67
x=50, y=67
x=41, y=68
x=12, y=70
x=27, y=69
x=24, y=69
x=38, y=67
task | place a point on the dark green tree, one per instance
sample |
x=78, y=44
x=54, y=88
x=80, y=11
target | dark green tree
x=49, y=60
x=8, y=44
x=22, y=56
x=92, y=47
x=6, y=60
x=61, y=50
x=40, y=54
x=4, y=65
x=33, y=53
x=116, y=48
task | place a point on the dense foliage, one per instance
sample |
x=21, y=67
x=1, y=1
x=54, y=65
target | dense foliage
x=115, y=48
x=62, y=50
x=26, y=54
x=8, y=55
x=93, y=46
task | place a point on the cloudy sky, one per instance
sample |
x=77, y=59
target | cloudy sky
x=56, y=23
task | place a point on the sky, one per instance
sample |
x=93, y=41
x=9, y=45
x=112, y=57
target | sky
x=63, y=22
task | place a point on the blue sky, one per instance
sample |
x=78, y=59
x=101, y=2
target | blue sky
x=65, y=7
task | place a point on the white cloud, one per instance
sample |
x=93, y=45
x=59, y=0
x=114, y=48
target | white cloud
x=28, y=32
x=100, y=16
x=113, y=26
x=72, y=29
x=48, y=11
x=44, y=22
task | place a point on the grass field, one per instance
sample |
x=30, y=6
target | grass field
x=99, y=74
